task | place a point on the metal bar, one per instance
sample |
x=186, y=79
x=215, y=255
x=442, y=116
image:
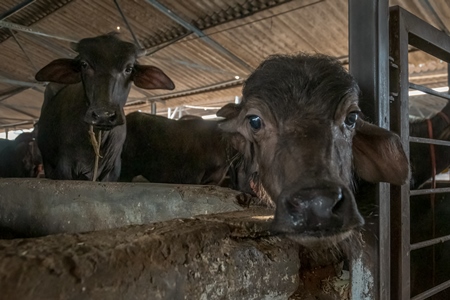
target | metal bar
x=428, y=141
x=400, y=218
x=16, y=9
x=202, y=107
x=18, y=124
x=19, y=110
x=32, y=31
x=194, y=65
x=50, y=45
x=429, y=91
x=24, y=51
x=426, y=37
x=127, y=24
x=431, y=242
x=217, y=86
x=153, y=108
x=199, y=33
x=162, y=97
x=429, y=191
x=11, y=119
x=427, y=5
x=20, y=83
x=432, y=291
x=9, y=93
x=368, y=63
x=172, y=115
x=155, y=49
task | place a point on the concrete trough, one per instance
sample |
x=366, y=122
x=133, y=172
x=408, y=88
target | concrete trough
x=89, y=240
x=38, y=207
x=224, y=256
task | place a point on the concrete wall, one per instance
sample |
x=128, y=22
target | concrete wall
x=226, y=256
x=36, y=207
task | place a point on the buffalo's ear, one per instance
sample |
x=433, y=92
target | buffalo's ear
x=230, y=112
x=149, y=77
x=62, y=70
x=378, y=155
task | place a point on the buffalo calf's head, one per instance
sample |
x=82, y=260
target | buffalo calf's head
x=106, y=66
x=303, y=136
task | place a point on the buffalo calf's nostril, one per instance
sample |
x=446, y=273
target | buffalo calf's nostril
x=95, y=116
x=113, y=117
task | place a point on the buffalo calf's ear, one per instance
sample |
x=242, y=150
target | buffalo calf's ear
x=149, y=77
x=378, y=155
x=62, y=70
x=231, y=113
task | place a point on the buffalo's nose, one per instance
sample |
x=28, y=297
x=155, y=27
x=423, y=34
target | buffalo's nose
x=316, y=210
x=313, y=208
x=102, y=118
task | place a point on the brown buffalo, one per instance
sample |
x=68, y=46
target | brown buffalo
x=21, y=157
x=437, y=127
x=187, y=151
x=90, y=90
x=299, y=117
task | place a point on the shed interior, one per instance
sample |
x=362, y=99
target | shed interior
x=207, y=47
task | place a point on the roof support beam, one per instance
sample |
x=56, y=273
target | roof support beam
x=213, y=87
x=136, y=42
x=7, y=94
x=24, y=51
x=16, y=9
x=32, y=31
x=49, y=45
x=19, y=110
x=198, y=32
x=21, y=83
x=18, y=124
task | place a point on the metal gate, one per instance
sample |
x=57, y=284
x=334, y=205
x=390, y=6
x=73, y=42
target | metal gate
x=424, y=259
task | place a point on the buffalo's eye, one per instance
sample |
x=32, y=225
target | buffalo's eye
x=84, y=65
x=128, y=70
x=351, y=119
x=255, y=122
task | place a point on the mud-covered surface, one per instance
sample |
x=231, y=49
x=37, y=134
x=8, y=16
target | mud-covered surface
x=230, y=255
x=226, y=256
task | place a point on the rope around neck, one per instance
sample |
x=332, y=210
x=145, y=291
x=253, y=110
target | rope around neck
x=96, y=145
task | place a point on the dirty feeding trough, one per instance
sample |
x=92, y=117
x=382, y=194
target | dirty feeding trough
x=300, y=139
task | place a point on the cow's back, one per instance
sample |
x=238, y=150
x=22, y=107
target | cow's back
x=164, y=150
x=4, y=143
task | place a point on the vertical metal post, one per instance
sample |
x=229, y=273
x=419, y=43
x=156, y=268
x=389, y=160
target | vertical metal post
x=6, y=132
x=153, y=108
x=369, y=64
x=399, y=123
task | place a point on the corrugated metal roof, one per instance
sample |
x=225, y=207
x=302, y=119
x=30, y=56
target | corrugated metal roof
x=248, y=29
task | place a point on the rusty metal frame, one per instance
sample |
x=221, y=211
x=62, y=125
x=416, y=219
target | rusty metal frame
x=407, y=29
x=368, y=63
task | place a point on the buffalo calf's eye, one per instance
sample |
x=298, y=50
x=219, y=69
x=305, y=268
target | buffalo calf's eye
x=84, y=65
x=351, y=119
x=129, y=70
x=255, y=122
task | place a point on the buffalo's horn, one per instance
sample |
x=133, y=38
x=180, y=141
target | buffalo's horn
x=141, y=52
x=74, y=46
